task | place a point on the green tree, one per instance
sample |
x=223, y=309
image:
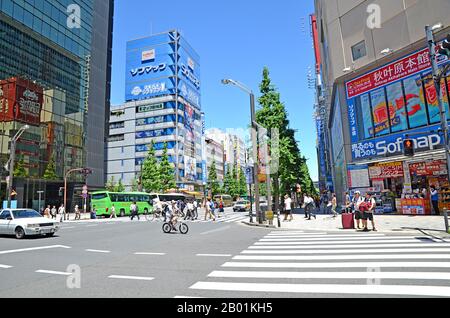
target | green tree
x=242, y=183
x=19, y=170
x=234, y=190
x=227, y=181
x=134, y=185
x=50, y=171
x=151, y=173
x=120, y=187
x=111, y=185
x=273, y=114
x=213, y=183
x=166, y=171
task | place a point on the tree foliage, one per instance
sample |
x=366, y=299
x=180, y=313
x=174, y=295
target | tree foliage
x=166, y=172
x=213, y=183
x=50, y=171
x=151, y=172
x=19, y=170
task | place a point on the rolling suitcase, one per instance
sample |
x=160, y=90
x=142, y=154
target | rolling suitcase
x=348, y=222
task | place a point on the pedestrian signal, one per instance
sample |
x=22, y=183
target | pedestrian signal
x=408, y=147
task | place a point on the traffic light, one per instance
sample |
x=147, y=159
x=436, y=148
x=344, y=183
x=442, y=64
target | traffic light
x=445, y=48
x=61, y=192
x=408, y=147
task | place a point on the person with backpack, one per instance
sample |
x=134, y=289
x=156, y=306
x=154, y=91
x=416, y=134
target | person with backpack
x=221, y=207
x=134, y=211
x=308, y=204
x=357, y=200
x=369, y=212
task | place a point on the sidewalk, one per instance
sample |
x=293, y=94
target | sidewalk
x=390, y=224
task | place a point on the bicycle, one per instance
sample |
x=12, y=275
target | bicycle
x=170, y=226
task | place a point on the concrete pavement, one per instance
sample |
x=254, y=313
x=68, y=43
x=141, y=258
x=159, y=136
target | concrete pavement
x=393, y=224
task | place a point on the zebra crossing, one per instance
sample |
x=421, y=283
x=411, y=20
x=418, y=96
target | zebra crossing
x=300, y=264
x=226, y=217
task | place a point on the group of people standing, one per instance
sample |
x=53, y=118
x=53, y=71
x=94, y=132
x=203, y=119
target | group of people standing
x=363, y=208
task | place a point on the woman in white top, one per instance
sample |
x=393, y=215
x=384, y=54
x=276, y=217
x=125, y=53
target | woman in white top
x=287, y=208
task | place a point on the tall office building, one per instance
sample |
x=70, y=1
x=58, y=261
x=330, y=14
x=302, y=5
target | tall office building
x=378, y=89
x=55, y=70
x=162, y=106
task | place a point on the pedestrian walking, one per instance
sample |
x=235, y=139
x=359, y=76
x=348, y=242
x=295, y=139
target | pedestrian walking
x=287, y=208
x=47, y=212
x=134, y=211
x=308, y=204
x=113, y=212
x=370, y=205
x=195, y=209
x=435, y=200
x=324, y=202
x=77, y=213
x=61, y=213
x=334, y=205
x=221, y=208
x=348, y=203
x=53, y=211
x=208, y=210
x=357, y=200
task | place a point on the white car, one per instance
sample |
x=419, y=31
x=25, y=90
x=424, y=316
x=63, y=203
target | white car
x=23, y=222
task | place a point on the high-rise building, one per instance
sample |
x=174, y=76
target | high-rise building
x=55, y=73
x=215, y=155
x=378, y=90
x=163, y=105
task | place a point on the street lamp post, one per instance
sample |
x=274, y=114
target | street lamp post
x=12, y=161
x=437, y=82
x=254, y=140
x=83, y=170
x=40, y=194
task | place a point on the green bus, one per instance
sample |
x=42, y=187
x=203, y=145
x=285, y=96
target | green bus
x=103, y=201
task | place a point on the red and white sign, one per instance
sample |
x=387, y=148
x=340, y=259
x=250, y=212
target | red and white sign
x=432, y=168
x=412, y=64
x=148, y=55
x=21, y=100
x=386, y=170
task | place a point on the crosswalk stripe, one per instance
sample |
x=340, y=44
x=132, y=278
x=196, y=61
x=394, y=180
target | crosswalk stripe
x=350, y=251
x=130, y=277
x=5, y=266
x=385, y=238
x=321, y=235
x=342, y=257
x=347, y=246
x=334, y=242
x=436, y=291
x=339, y=265
x=332, y=275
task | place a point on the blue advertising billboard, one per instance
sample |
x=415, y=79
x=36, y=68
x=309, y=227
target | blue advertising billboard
x=388, y=102
x=151, y=69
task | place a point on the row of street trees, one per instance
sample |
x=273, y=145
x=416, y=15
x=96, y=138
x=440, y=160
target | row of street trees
x=49, y=174
x=234, y=183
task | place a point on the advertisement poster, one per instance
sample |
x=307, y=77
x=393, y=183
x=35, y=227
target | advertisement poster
x=358, y=177
x=380, y=112
x=397, y=109
x=190, y=168
x=386, y=170
x=189, y=137
x=415, y=101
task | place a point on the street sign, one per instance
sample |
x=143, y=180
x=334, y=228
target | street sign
x=249, y=175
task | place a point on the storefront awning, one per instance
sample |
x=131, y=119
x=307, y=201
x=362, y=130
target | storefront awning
x=431, y=155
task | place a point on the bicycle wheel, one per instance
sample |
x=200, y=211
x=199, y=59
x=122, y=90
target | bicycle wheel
x=183, y=228
x=167, y=228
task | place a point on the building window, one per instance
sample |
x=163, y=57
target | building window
x=359, y=50
x=116, y=138
x=117, y=125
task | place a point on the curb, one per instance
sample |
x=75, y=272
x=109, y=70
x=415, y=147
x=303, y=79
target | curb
x=259, y=225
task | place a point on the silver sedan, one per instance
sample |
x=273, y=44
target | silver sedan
x=23, y=222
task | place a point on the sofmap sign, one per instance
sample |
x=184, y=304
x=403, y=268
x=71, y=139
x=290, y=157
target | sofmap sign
x=148, y=69
x=424, y=140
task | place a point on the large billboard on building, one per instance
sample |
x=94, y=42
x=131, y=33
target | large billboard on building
x=20, y=100
x=393, y=100
x=152, y=67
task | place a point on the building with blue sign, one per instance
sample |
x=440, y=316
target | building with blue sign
x=163, y=105
x=380, y=92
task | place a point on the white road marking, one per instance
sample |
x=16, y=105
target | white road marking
x=332, y=275
x=411, y=290
x=33, y=249
x=130, y=277
x=216, y=230
x=335, y=243
x=354, y=246
x=340, y=265
x=332, y=239
x=67, y=227
x=92, y=225
x=349, y=251
x=97, y=251
x=286, y=232
x=186, y=297
x=214, y=255
x=343, y=257
x=5, y=266
x=42, y=271
x=145, y=253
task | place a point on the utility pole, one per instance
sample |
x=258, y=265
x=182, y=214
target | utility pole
x=437, y=77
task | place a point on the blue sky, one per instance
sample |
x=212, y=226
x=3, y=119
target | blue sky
x=235, y=39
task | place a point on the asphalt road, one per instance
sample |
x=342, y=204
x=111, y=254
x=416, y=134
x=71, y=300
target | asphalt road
x=123, y=259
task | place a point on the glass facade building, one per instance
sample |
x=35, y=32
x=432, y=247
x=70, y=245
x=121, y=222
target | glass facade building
x=47, y=58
